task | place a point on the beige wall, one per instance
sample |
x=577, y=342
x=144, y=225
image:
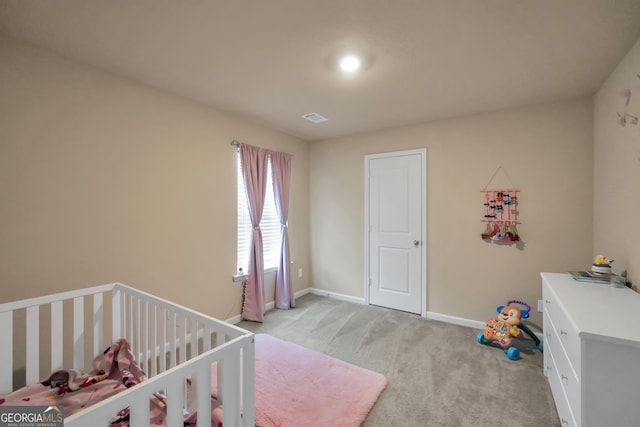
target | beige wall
x=547, y=152
x=104, y=180
x=617, y=169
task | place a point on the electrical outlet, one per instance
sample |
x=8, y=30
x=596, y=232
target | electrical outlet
x=299, y=272
x=540, y=306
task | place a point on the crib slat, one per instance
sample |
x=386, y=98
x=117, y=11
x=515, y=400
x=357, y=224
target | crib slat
x=78, y=332
x=6, y=354
x=139, y=410
x=129, y=317
x=33, y=341
x=153, y=345
x=144, y=342
x=172, y=339
x=56, y=335
x=117, y=313
x=194, y=338
x=206, y=338
x=229, y=392
x=98, y=315
x=203, y=386
x=182, y=324
x=134, y=341
x=127, y=320
x=163, y=316
x=248, y=375
x=175, y=404
x=219, y=338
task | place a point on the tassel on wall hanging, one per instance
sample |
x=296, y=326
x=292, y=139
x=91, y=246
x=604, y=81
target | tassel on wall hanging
x=500, y=212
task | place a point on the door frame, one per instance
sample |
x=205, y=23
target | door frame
x=423, y=166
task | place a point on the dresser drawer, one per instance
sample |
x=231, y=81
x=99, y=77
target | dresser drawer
x=557, y=360
x=562, y=405
x=566, y=332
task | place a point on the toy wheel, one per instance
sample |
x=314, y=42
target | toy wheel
x=481, y=339
x=540, y=346
x=512, y=353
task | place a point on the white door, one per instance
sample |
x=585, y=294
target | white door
x=395, y=230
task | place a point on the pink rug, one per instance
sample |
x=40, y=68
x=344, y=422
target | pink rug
x=296, y=386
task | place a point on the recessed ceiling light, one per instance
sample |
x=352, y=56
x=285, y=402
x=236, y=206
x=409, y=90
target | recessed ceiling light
x=350, y=63
x=315, y=117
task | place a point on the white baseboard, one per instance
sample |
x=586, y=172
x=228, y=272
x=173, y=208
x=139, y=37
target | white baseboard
x=358, y=300
x=475, y=324
x=461, y=321
x=430, y=315
x=336, y=295
x=234, y=320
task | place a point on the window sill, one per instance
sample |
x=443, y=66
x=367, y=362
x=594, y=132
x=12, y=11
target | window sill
x=243, y=277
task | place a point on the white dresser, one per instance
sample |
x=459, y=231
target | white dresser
x=592, y=351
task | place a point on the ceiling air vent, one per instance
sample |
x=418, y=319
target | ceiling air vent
x=315, y=117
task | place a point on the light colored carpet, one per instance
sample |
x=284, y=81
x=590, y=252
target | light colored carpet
x=437, y=374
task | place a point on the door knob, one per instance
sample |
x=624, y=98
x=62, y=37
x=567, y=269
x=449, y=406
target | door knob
x=416, y=243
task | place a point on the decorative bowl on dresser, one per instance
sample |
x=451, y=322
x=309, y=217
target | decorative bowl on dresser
x=592, y=351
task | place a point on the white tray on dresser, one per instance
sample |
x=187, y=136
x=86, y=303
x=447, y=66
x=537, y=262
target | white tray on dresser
x=592, y=351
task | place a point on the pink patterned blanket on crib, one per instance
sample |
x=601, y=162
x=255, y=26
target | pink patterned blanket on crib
x=113, y=371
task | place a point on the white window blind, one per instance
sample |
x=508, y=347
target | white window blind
x=270, y=224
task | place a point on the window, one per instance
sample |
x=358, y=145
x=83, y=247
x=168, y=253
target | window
x=270, y=224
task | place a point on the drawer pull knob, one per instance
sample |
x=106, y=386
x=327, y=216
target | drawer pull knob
x=564, y=377
x=547, y=301
x=565, y=421
x=563, y=332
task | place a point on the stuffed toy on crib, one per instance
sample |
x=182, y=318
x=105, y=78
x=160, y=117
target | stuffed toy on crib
x=506, y=326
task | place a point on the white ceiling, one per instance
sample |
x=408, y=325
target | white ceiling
x=272, y=60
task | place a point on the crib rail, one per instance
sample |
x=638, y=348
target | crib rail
x=26, y=363
x=171, y=382
x=170, y=342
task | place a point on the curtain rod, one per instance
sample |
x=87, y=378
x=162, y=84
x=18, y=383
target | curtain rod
x=237, y=144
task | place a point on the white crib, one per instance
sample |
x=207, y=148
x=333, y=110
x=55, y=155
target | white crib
x=171, y=343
